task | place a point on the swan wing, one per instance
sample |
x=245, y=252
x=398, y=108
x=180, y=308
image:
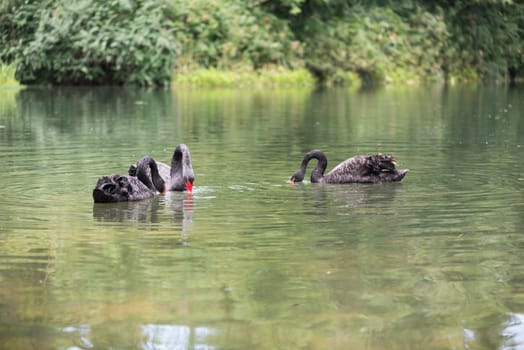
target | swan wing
x=164, y=170
x=366, y=169
x=354, y=166
x=120, y=188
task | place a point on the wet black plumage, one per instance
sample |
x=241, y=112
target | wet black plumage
x=374, y=168
x=120, y=188
x=179, y=176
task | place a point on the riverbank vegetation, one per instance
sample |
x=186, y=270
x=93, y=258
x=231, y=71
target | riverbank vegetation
x=7, y=76
x=243, y=42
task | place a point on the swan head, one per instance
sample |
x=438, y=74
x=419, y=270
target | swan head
x=298, y=176
x=188, y=174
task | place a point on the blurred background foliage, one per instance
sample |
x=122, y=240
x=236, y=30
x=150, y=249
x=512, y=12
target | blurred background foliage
x=148, y=42
x=88, y=41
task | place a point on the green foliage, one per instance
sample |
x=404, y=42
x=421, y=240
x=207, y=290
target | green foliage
x=299, y=12
x=145, y=41
x=18, y=22
x=7, y=76
x=230, y=35
x=378, y=44
x=487, y=38
x=264, y=77
x=90, y=42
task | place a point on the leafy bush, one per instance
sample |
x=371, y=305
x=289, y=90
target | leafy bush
x=7, y=75
x=486, y=40
x=90, y=42
x=377, y=44
x=391, y=39
x=133, y=41
x=230, y=34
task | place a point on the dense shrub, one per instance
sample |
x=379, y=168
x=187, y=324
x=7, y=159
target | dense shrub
x=377, y=44
x=487, y=38
x=133, y=41
x=7, y=76
x=458, y=38
x=89, y=42
x=230, y=34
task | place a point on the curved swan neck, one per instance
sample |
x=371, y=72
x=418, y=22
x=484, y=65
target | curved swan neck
x=181, y=168
x=155, y=175
x=142, y=174
x=318, y=173
x=176, y=162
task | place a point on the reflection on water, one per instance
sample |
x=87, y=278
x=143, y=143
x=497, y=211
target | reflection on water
x=513, y=332
x=153, y=336
x=82, y=335
x=181, y=205
x=324, y=198
x=147, y=211
x=141, y=211
x=248, y=261
x=176, y=337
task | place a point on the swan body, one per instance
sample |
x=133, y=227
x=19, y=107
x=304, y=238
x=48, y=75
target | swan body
x=375, y=168
x=120, y=188
x=179, y=176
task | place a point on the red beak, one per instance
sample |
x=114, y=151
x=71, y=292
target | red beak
x=189, y=186
x=292, y=181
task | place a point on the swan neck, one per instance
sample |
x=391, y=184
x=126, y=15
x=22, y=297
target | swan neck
x=318, y=173
x=149, y=163
x=155, y=176
x=181, y=168
x=177, y=163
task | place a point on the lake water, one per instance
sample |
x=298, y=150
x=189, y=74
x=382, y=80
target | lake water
x=249, y=261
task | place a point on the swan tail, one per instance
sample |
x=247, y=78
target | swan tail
x=112, y=188
x=401, y=174
x=379, y=163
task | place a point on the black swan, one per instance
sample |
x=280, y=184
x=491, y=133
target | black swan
x=179, y=176
x=363, y=169
x=120, y=188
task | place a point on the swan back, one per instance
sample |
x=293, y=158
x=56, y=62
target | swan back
x=374, y=168
x=120, y=188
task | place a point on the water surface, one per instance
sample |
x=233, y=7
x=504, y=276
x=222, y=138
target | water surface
x=248, y=261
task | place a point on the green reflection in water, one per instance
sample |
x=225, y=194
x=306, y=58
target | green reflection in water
x=247, y=260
